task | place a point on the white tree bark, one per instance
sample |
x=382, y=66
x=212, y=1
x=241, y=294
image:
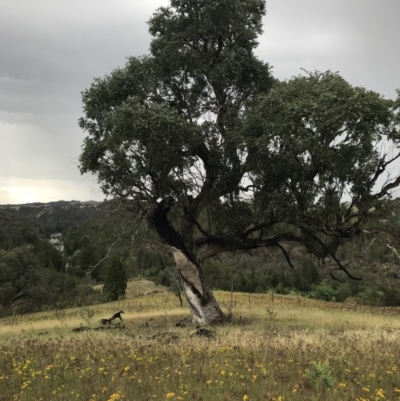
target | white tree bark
x=202, y=304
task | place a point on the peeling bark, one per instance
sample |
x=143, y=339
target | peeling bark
x=200, y=299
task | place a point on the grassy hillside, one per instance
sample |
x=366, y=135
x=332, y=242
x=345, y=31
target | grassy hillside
x=67, y=243
x=276, y=348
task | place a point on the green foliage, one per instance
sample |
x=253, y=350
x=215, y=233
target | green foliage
x=324, y=292
x=371, y=295
x=243, y=273
x=48, y=256
x=25, y=286
x=320, y=375
x=115, y=281
x=19, y=275
x=391, y=295
x=271, y=312
x=87, y=257
x=305, y=275
x=236, y=160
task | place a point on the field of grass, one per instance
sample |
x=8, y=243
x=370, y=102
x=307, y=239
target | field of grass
x=275, y=348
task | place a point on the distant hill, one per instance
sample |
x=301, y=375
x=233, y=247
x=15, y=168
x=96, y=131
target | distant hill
x=41, y=219
x=61, y=204
x=71, y=237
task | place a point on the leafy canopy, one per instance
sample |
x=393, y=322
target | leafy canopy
x=18, y=275
x=201, y=124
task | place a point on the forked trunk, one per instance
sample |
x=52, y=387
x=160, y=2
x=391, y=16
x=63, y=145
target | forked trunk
x=204, y=307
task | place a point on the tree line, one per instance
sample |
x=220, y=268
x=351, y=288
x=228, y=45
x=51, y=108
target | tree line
x=35, y=275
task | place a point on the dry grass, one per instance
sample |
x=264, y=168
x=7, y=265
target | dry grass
x=282, y=349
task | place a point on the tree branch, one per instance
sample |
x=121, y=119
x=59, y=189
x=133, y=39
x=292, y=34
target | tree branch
x=101, y=260
x=285, y=254
x=384, y=191
x=330, y=253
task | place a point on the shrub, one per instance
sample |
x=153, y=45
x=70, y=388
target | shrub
x=116, y=280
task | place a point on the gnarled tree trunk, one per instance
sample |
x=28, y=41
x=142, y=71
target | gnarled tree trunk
x=200, y=299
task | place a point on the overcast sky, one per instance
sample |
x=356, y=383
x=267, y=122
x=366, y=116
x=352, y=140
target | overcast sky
x=50, y=50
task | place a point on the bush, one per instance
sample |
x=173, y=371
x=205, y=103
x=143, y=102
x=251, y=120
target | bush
x=323, y=292
x=116, y=281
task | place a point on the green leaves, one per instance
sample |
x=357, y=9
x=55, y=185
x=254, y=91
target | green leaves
x=18, y=274
x=134, y=138
x=201, y=121
x=116, y=280
x=210, y=44
x=316, y=138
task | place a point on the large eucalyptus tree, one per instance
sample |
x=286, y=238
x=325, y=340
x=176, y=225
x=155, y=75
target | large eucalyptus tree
x=200, y=128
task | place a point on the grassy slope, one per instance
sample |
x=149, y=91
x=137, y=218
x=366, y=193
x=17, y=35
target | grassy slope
x=287, y=348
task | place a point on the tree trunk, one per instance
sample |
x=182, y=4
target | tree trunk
x=200, y=299
x=202, y=304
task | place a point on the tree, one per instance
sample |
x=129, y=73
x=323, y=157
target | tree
x=221, y=157
x=115, y=282
x=19, y=276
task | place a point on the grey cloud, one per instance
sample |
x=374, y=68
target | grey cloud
x=29, y=151
x=47, y=39
x=50, y=51
x=357, y=38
